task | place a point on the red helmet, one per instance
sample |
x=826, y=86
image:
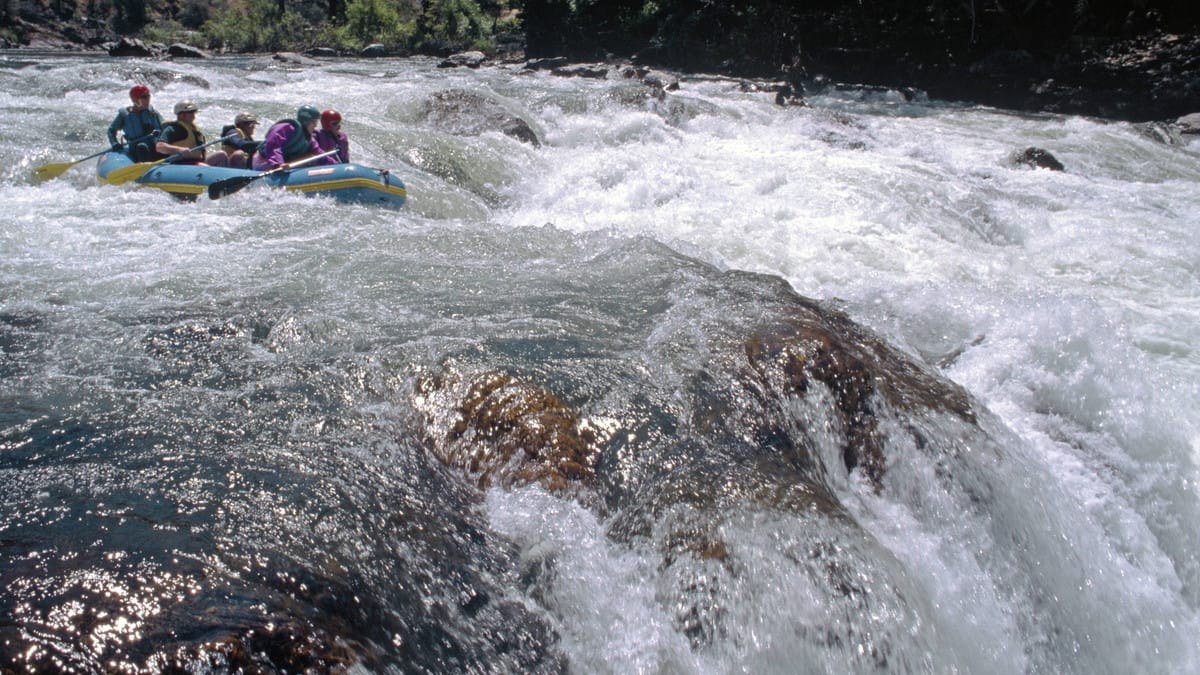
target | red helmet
x=138, y=91
x=328, y=118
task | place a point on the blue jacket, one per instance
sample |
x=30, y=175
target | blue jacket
x=134, y=124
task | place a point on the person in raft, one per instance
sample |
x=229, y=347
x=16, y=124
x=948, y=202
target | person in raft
x=181, y=135
x=239, y=140
x=138, y=122
x=330, y=136
x=289, y=140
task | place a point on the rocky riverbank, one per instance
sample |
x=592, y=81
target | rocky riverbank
x=1147, y=78
x=1153, y=77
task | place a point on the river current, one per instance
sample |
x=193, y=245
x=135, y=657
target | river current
x=220, y=421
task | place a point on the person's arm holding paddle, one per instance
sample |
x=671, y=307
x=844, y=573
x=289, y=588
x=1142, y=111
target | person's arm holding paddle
x=183, y=151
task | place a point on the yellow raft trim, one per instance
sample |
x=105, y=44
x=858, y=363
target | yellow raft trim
x=325, y=186
x=350, y=183
x=179, y=188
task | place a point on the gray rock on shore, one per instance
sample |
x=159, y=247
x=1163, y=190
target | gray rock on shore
x=128, y=46
x=184, y=51
x=1189, y=124
x=472, y=59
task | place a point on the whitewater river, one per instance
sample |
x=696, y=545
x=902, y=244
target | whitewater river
x=232, y=432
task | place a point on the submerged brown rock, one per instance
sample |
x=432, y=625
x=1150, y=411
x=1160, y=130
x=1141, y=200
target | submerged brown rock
x=859, y=370
x=508, y=432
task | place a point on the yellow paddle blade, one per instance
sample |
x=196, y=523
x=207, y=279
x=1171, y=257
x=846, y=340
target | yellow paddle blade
x=55, y=170
x=43, y=173
x=128, y=173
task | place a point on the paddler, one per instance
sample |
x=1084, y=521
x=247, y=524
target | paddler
x=291, y=139
x=330, y=136
x=239, y=139
x=181, y=135
x=138, y=123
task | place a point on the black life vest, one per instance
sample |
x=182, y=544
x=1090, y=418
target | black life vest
x=298, y=145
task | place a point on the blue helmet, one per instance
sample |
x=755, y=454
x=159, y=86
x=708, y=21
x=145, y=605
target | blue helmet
x=307, y=113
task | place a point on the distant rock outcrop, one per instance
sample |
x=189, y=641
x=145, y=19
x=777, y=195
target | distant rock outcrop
x=548, y=63
x=128, y=46
x=589, y=70
x=466, y=113
x=182, y=51
x=373, y=51
x=1037, y=158
x=472, y=59
x=293, y=59
x=1189, y=124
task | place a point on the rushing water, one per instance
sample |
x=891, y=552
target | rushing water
x=218, y=431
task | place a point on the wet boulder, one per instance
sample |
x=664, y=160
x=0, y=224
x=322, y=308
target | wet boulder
x=287, y=59
x=183, y=51
x=1189, y=124
x=472, y=59
x=1161, y=132
x=860, y=372
x=285, y=643
x=128, y=46
x=786, y=95
x=1037, y=158
x=546, y=63
x=466, y=113
x=586, y=70
x=510, y=433
x=655, y=79
x=661, y=80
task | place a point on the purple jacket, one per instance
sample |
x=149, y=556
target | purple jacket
x=280, y=134
x=327, y=140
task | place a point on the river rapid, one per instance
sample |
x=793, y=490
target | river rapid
x=224, y=424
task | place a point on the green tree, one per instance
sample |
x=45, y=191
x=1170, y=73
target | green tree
x=451, y=25
x=261, y=26
x=370, y=21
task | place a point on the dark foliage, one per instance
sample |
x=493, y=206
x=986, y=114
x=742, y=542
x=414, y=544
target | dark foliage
x=767, y=34
x=1135, y=59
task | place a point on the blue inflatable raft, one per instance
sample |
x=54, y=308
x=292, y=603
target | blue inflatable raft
x=351, y=183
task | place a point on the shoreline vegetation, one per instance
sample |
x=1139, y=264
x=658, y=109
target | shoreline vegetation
x=1134, y=60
